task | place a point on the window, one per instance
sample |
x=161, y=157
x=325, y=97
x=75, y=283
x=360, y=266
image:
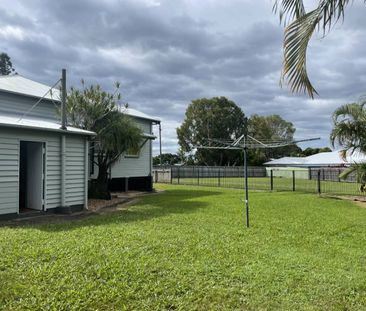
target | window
x=132, y=153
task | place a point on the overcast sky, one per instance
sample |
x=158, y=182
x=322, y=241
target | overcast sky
x=167, y=52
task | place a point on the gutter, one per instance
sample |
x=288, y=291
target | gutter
x=39, y=128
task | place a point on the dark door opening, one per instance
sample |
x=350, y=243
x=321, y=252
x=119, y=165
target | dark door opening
x=31, y=176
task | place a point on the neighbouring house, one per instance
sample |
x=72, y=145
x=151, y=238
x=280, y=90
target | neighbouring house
x=133, y=171
x=328, y=164
x=42, y=167
x=322, y=159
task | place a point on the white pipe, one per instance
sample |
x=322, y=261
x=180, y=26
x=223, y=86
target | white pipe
x=63, y=170
x=86, y=167
x=63, y=100
x=150, y=150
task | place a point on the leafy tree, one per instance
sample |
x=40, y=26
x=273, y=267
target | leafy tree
x=270, y=128
x=205, y=119
x=300, y=26
x=310, y=151
x=93, y=109
x=349, y=131
x=6, y=66
x=167, y=159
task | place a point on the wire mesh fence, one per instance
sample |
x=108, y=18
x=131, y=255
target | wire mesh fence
x=314, y=180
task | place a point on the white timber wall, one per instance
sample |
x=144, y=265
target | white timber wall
x=140, y=166
x=9, y=169
x=75, y=167
x=75, y=170
x=135, y=166
x=17, y=105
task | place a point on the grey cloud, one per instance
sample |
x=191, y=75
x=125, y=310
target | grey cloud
x=167, y=55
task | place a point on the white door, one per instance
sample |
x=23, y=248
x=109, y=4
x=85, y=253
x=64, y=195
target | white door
x=35, y=170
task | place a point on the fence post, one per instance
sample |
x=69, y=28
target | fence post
x=293, y=180
x=271, y=180
x=171, y=175
x=198, y=175
x=319, y=190
x=178, y=174
x=218, y=179
x=339, y=173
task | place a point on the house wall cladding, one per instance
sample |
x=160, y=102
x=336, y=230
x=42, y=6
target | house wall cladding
x=136, y=166
x=75, y=170
x=133, y=167
x=144, y=125
x=9, y=168
x=16, y=105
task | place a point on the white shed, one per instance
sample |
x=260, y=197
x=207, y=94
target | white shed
x=42, y=167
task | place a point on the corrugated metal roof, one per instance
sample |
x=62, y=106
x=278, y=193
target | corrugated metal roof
x=20, y=85
x=287, y=161
x=333, y=158
x=138, y=114
x=37, y=124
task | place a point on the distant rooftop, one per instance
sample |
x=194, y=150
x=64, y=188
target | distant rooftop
x=333, y=158
x=19, y=85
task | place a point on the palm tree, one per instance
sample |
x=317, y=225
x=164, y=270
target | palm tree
x=358, y=169
x=349, y=131
x=300, y=26
x=95, y=110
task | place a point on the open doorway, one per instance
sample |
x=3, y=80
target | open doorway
x=31, y=176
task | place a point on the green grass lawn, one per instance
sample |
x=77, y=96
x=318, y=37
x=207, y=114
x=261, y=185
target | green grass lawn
x=279, y=184
x=188, y=249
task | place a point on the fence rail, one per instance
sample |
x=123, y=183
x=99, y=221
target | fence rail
x=315, y=180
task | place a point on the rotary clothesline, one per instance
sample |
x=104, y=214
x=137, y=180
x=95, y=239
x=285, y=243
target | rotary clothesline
x=245, y=142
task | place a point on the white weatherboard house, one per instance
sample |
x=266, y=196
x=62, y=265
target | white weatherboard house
x=42, y=167
x=133, y=171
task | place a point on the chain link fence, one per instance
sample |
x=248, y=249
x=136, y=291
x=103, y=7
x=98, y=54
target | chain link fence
x=314, y=180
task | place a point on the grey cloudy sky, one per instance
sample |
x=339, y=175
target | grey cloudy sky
x=168, y=52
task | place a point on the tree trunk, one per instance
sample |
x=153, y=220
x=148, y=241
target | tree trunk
x=99, y=186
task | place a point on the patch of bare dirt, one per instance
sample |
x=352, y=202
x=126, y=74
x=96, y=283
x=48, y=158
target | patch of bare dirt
x=358, y=200
x=95, y=204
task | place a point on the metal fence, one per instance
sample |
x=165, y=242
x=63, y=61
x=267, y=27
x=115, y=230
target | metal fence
x=315, y=180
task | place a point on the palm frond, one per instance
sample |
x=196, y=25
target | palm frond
x=348, y=172
x=289, y=9
x=332, y=11
x=349, y=129
x=353, y=111
x=298, y=34
x=357, y=169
